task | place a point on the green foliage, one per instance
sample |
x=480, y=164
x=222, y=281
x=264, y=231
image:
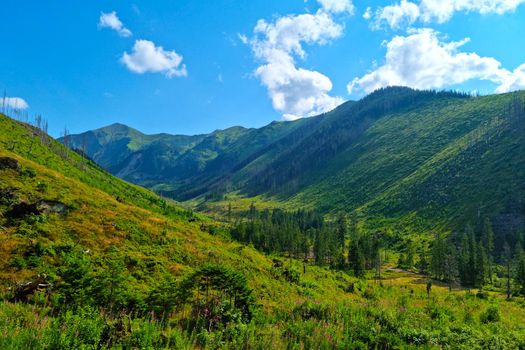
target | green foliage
x=491, y=314
x=218, y=296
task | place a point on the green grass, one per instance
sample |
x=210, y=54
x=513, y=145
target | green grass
x=396, y=314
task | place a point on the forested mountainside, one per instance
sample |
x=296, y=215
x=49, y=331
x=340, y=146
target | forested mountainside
x=167, y=162
x=428, y=160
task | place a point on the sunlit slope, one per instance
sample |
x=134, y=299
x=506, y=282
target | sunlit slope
x=89, y=212
x=442, y=164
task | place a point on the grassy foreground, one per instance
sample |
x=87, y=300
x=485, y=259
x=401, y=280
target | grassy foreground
x=396, y=314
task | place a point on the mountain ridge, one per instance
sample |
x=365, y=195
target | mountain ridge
x=391, y=147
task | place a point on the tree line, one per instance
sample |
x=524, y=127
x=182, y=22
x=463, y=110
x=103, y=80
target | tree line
x=307, y=235
x=470, y=259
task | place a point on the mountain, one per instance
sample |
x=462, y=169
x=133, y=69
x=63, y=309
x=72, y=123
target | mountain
x=400, y=159
x=169, y=163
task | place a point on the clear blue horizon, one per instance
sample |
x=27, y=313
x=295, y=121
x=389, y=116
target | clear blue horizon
x=189, y=67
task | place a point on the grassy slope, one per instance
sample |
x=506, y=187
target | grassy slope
x=138, y=225
x=438, y=164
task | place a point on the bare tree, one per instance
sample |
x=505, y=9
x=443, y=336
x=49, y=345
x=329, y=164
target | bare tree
x=65, y=138
x=508, y=261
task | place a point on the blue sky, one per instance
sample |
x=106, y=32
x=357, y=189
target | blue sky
x=191, y=67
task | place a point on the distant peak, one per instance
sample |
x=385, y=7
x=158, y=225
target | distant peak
x=117, y=128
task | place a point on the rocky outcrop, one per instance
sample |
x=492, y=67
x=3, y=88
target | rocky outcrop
x=24, y=291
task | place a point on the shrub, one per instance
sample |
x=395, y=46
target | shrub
x=491, y=314
x=42, y=186
x=481, y=294
x=434, y=312
x=224, y=296
x=308, y=310
x=291, y=275
x=416, y=336
x=370, y=294
x=28, y=172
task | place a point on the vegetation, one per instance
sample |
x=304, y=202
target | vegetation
x=404, y=162
x=90, y=261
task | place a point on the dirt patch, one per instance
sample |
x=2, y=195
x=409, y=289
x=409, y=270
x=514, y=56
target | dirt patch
x=43, y=206
x=8, y=163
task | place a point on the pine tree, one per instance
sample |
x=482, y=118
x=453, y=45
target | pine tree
x=356, y=257
x=481, y=265
x=487, y=238
x=423, y=264
x=341, y=230
x=437, y=262
x=520, y=269
x=229, y=212
x=319, y=248
x=450, y=266
x=467, y=259
x=507, y=255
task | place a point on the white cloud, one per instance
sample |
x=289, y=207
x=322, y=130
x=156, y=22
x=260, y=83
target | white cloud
x=146, y=57
x=406, y=12
x=243, y=38
x=368, y=13
x=403, y=14
x=421, y=60
x=442, y=10
x=513, y=81
x=296, y=92
x=110, y=20
x=337, y=6
x=13, y=102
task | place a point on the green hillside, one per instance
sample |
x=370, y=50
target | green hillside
x=172, y=164
x=100, y=241
x=401, y=159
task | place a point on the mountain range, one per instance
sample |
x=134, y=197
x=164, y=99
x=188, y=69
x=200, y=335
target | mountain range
x=403, y=160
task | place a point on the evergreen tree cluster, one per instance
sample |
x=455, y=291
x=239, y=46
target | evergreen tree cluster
x=470, y=259
x=308, y=236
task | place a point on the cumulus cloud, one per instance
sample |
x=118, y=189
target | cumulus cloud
x=110, y=20
x=421, y=60
x=13, y=102
x=395, y=16
x=337, y=6
x=146, y=57
x=513, y=81
x=406, y=12
x=297, y=92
